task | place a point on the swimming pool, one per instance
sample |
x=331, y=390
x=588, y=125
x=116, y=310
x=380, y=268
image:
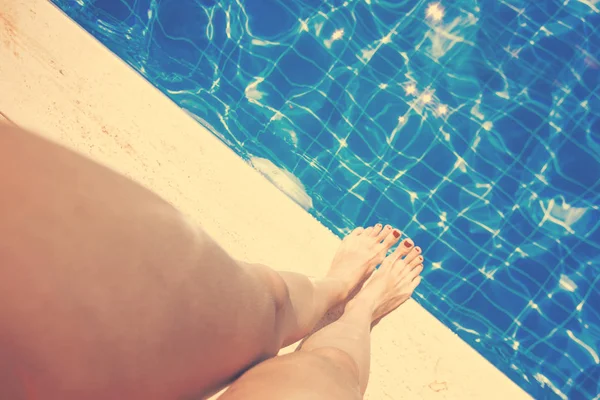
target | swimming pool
x=475, y=126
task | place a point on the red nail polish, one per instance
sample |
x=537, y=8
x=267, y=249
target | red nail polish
x=418, y=249
x=407, y=243
x=396, y=234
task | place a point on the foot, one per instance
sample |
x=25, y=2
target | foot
x=360, y=252
x=394, y=282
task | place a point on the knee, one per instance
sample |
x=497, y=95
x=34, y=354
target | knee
x=276, y=287
x=280, y=296
x=276, y=297
x=340, y=360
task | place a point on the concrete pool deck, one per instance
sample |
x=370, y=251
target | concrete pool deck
x=58, y=80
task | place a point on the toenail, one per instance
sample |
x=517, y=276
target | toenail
x=378, y=225
x=418, y=249
x=396, y=234
x=407, y=243
x=420, y=258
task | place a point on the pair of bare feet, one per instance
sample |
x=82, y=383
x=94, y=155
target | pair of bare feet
x=389, y=286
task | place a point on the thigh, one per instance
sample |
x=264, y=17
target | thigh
x=106, y=289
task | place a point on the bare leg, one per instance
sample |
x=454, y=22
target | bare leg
x=306, y=300
x=334, y=362
x=106, y=291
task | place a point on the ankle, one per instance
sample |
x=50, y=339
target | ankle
x=337, y=289
x=363, y=305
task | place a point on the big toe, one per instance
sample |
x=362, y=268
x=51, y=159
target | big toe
x=404, y=248
x=391, y=238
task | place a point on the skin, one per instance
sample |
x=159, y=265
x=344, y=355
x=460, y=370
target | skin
x=334, y=362
x=107, y=291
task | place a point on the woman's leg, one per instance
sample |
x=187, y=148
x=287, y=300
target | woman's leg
x=106, y=291
x=306, y=300
x=334, y=362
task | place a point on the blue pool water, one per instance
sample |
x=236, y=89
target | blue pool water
x=473, y=125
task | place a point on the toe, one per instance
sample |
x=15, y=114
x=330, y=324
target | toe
x=368, y=231
x=412, y=254
x=414, y=262
x=384, y=233
x=376, y=230
x=358, y=231
x=391, y=239
x=404, y=247
x=415, y=282
x=415, y=272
